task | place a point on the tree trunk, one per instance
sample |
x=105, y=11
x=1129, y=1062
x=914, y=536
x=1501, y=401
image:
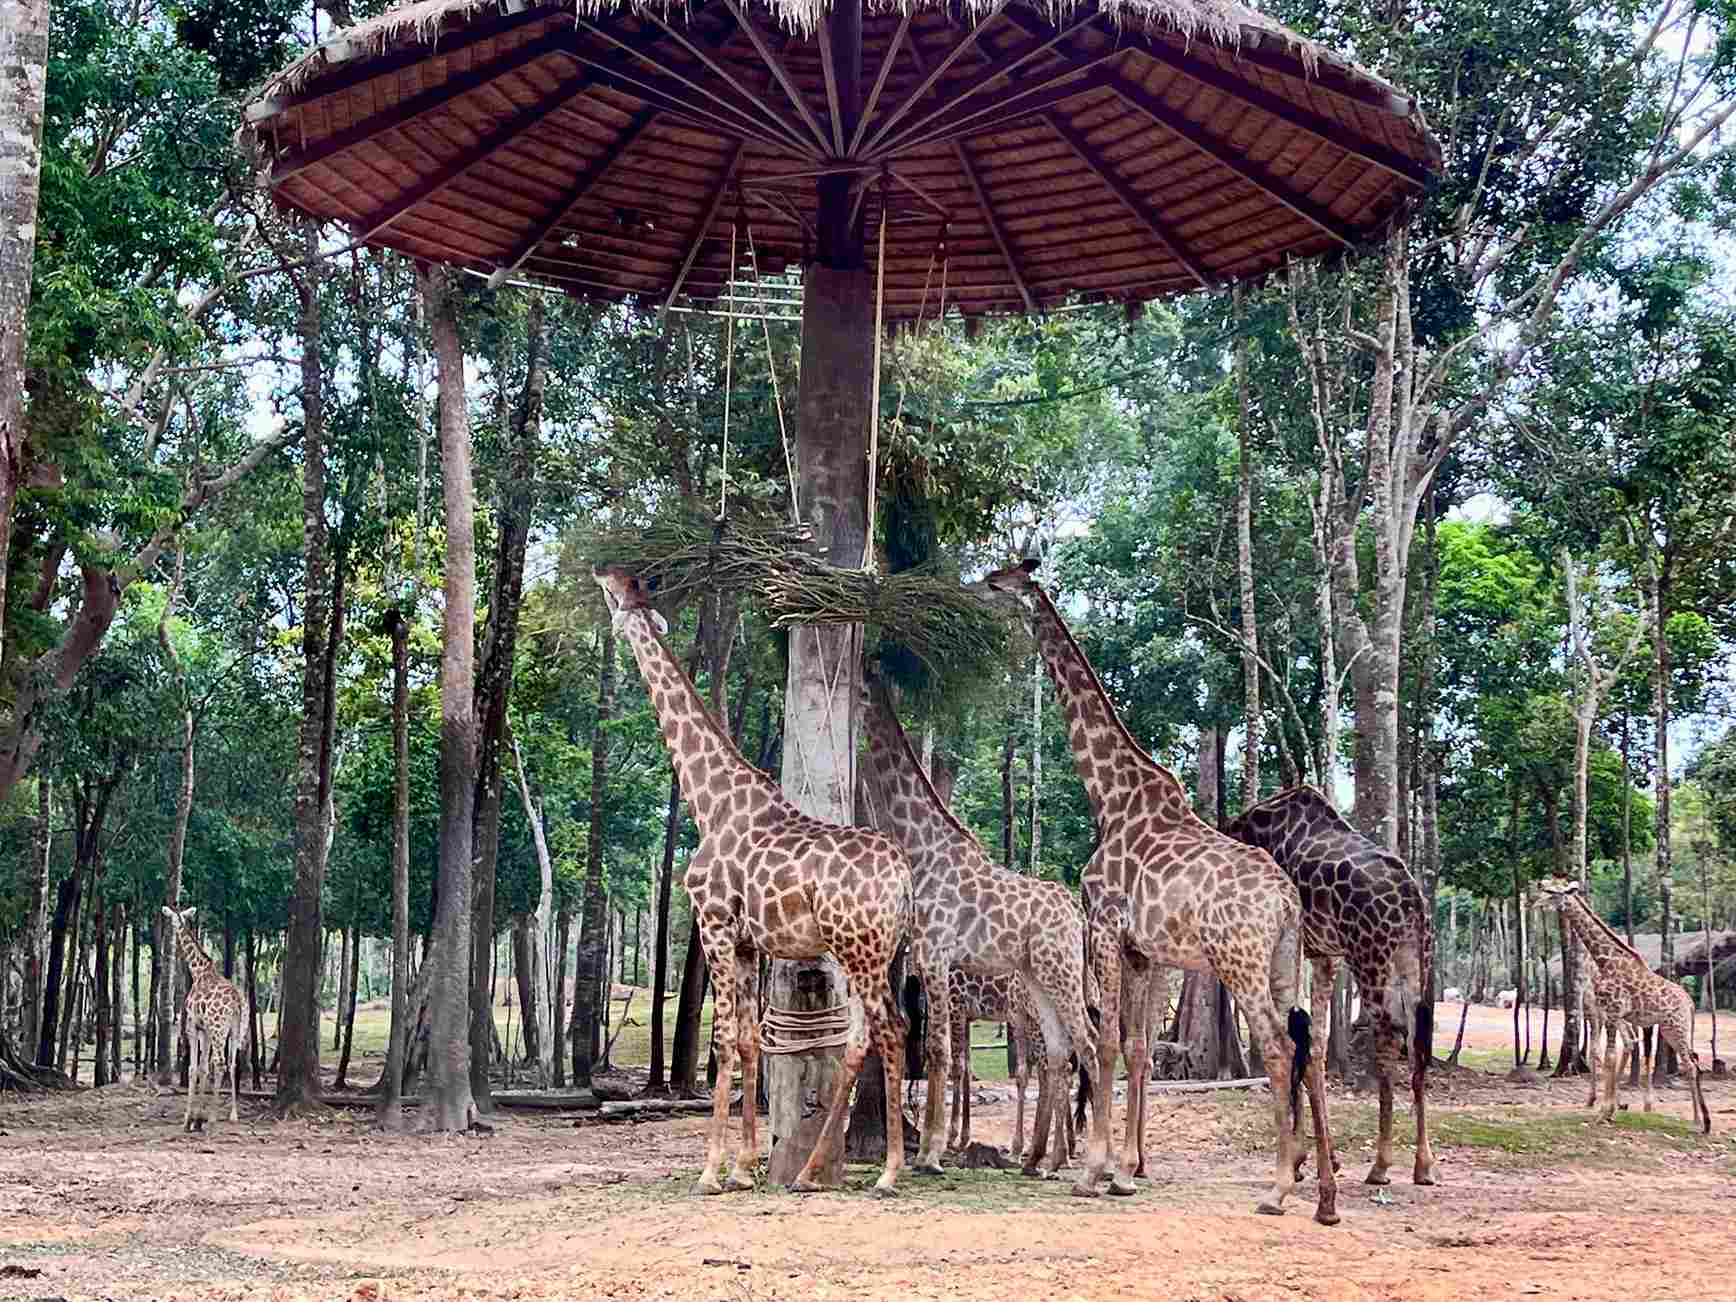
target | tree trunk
x=1627, y=839
x=36, y=916
x=166, y=1010
x=138, y=1009
x=1009, y=807
x=684, y=1057
x=347, y=1005
x=298, y=1079
x=102, y=996
x=1245, y=569
x=1034, y=804
x=1665, y=1064
x=65, y=915
x=590, y=967
x=660, y=946
x=548, y=1011
x=345, y=940
x=448, y=1104
x=558, y=1019
x=23, y=76
x=523, y=963
x=392, y=1078
x=250, y=951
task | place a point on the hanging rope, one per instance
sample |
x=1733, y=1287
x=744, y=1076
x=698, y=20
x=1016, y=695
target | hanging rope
x=777, y=396
x=939, y=253
x=874, y=392
x=728, y=361
x=794, y=1030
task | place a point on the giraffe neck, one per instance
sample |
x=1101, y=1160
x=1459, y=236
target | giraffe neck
x=1107, y=757
x=716, y=781
x=194, y=957
x=919, y=818
x=1599, y=941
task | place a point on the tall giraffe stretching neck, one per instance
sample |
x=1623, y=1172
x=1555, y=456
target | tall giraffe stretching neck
x=716, y=780
x=188, y=948
x=1111, y=764
x=927, y=827
x=1595, y=934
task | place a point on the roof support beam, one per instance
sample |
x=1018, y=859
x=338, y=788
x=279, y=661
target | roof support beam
x=908, y=104
x=1255, y=174
x=697, y=241
x=471, y=158
x=1005, y=67
x=1335, y=133
x=994, y=223
x=573, y=196
x=879, y=84
x=418, y=106
x=1161, y=231
x=1001, y=107
x=780, y=73
x=706, y=52
x=757, y=120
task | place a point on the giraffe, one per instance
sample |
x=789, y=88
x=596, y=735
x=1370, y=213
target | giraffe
x=214, y=1018
x=1164, y=889
x=972, y=912
x=1624, y=989
x=767, y=878
x=1594, y=1023
x=1360, y=904
x=1001, y=997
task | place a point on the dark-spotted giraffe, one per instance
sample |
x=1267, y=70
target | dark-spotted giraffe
x=971, y=912
x=1164, y=889
x=769, y=879
x=1360, y=904
x=216, y=1021
x=1625, y=989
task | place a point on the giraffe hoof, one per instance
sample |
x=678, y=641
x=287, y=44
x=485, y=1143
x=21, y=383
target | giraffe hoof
x=883, y=1191
x=1266, y=1207
x=1082, y=1189
x=1123, y=1187
x=1326, y=1215
x=930, y=1168
x=1424, y=1176
x=809, y=1187
x=1377, y=1177
x=707, y=1185
x=740, y=1182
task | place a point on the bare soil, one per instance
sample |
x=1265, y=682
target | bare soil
x=105, y=1197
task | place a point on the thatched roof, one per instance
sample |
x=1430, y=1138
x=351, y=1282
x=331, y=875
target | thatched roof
x=1690, y=953
x=1123, y=149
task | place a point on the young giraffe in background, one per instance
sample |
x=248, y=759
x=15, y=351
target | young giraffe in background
x=1360, y=904
x=973, y=913
x=1000, y=998
x=767, y=878
x=1163, y=889
x=215, y=1020
x=1626, y=990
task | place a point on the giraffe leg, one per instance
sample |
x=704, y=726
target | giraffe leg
x=1143, y=1102
x=1326, y=1188
x=935, y=970
x=1280, y=1054
x=1651, y=1066
x=862, y=1024
x=1041, y=1062
x=1596, y=1033
x=192, y=1078
x=958, y=1079
x=1386, y=1067
x=1136, y=990
x=887, y=1027
x=1106, y=956
x=1679, y=1035
x=720, y=959
x=741, y=1174
x=1610, y=1062
x=229, y=1070
x=1022, y=1046
x=1320, y=1026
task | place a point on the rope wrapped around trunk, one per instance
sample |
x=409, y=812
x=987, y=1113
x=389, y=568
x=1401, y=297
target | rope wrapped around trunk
x=796, y=1030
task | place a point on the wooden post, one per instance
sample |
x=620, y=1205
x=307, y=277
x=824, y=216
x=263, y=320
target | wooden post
x=832, y=419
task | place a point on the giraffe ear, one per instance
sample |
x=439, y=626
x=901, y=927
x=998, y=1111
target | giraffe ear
x=659, y=623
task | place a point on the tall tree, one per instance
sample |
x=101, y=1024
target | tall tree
x=590, y=967
x=450, y=1105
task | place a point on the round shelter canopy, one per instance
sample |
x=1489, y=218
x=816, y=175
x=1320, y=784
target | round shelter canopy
x=1116, y=151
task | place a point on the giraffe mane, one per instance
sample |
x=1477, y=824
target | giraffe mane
x=921, y=776
x=1139, y=751
x=1302, y=793
x=705, y=711
x=1609, y=932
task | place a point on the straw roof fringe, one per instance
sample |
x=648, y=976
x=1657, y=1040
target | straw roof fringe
x=421, y=21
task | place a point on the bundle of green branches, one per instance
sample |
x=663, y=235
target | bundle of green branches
x=959, y=636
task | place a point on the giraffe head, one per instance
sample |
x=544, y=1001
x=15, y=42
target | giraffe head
x=1556, y=893
x=182, y=919
x=626, y=594
x=1015, y=580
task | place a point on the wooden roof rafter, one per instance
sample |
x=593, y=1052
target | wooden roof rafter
x=709, y=54
x=756, y=121
x=701, y=228
x=1024, y=99
x=886, y=65
x=780, y=73
x=992, y=219
x=1161, y=231
x=480, y=152
x=1001, y=68
x=899, y=111
x=574, y=196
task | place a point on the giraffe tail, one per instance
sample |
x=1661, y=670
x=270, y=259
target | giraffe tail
x=1302, y=1035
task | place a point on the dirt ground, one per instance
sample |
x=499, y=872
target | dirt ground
x=102, y=1196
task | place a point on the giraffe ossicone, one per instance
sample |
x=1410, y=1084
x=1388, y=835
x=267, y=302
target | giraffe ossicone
x=768, y=879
